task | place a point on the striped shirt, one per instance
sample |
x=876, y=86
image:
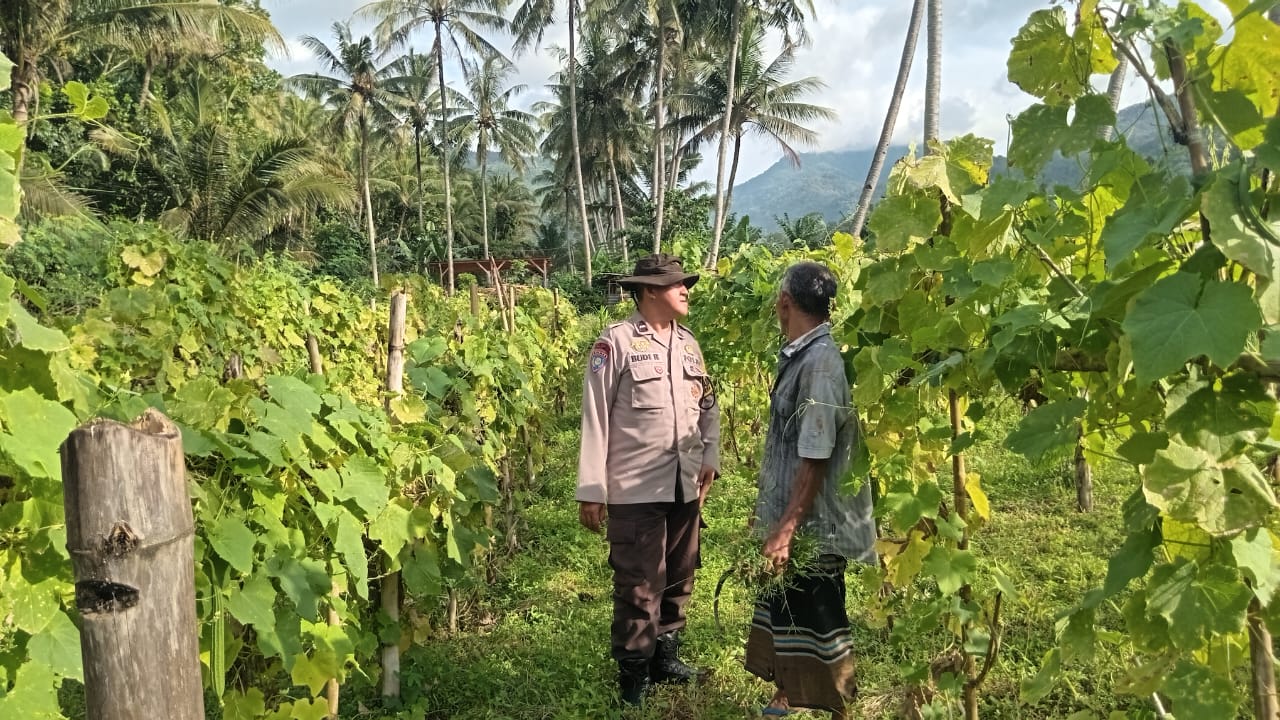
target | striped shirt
x=811, y=416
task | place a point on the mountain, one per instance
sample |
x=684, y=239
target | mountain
x=828, y=183
x=825, y=183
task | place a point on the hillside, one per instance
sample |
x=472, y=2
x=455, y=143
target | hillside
x=828, y=182
x=825, y=182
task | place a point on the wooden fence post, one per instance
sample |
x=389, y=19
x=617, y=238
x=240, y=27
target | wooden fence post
x=390, y=585
x=131, y=535
x=333, y=690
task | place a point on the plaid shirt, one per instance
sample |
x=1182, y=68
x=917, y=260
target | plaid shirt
x=811, y=416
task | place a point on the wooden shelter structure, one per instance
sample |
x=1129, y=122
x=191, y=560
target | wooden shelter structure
x=487, y=268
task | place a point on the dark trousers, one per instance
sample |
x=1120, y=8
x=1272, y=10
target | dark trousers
x=653, y=550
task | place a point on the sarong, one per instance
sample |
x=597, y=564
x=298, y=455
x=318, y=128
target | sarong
x=800, y=639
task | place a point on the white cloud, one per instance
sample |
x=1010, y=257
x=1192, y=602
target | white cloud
x=855, y=49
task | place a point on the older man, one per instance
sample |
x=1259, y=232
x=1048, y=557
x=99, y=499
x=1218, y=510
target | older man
x=799, y=637
x=650, y=451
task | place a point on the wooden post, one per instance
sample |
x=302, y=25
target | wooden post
x=130, y=532
x=1266, y=706
x=1084, y=476
x=390, y=585
x=475, y=300
x=333, y=690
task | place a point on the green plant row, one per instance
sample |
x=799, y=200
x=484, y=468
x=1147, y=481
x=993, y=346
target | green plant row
x=305, y=490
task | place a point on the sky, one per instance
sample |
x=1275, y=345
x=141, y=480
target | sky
x=855, y=49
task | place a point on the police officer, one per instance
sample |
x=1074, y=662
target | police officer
x=650, y=452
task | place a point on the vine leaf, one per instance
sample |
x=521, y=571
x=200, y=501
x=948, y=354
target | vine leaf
x=1046, y=428
x=34, y=694
x=58, y=647
x=233, y=542
x=253, y=603
x=1189, y=485
x=1258, y=557
x=1197, y=602
x=1182, y=317
x=1048, y=62
x=1198, y=692
x=951, y=567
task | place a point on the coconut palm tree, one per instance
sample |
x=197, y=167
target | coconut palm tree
x=356, y=92
x=765, y=103
x=531, y=19
x=787, y=15
x=33, y=32
x=457, y=22
x=486, y=112
x=890, y=118
x=223, y=191
x=411, y=78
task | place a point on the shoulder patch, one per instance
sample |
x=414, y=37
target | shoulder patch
x=600, y=353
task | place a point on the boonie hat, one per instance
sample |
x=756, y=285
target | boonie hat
x=658, y=270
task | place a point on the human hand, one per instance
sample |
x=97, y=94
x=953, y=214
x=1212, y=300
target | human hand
x=706, y=476
x=777, y=549
x=591, y=515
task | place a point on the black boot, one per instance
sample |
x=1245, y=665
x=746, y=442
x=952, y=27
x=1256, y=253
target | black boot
x=666, y=666
x=633, y=680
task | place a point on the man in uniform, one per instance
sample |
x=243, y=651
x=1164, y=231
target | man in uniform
x=650, y=452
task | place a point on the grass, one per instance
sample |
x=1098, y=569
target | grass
x=534, y=644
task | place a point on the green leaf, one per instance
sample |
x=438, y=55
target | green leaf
x=952, y=568
x=250, y=705
x=1233, y=234
x=33, y=606
x=365, y=482
x=1132, y=561
x=1156, y=206
x=391, y=530
x=203, y=403
x=348, y=540
x=293, y=394
x=1046, y=61
x=1199, y=603
x=1197, y=692
x=313, y=709
x=1035, y=689
x=1189, y=485
x=1182, y=317
x=309, y=674
x=304, y=581
x=899, y=221
x=6, y=67
x=31, y=334
x=34, y=429
x=1224, y=419
x=254, y=602
x=1141, y=447
x=1047, y=428
x=1258, y=557
x=58, y=647
x=34, y=695
x=234, y=542
x=421, y=572
x=905, y=509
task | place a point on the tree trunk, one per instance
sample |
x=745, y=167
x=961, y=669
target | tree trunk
x=24, y=83
x=484, y=200
x=619, y=212
x=722, y=204
x=444, y=156
x=733, y=171
x=1190, y=132
x=890, y=119
x=933, y=74
x=577, y=147
x=368, y=201
x=659, y=118
x=390, y=586
x=417, y=166
x=131, y=536
x=148, y=69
